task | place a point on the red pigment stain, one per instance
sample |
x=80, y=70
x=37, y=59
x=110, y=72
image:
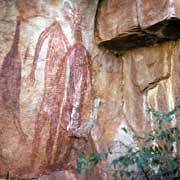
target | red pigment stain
x=67, y=74
x=79, y=61
x=10, y=82
x=80, y=75
x=26, y=55
x=54, y=84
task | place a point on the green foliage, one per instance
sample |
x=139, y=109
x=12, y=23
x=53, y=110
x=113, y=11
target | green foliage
x=155, y=159
x=86, y=164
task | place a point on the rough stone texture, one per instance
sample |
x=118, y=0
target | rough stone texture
x=127, y=86
x=64, y=175
x=46, y=91
x=56, y=175
x=57, y=87
x=121, y=22
x=136, y=23
x=140, y=78
x=151, y=12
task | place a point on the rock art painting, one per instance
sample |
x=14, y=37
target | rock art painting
x=10, y=82
x=67, y=72
x=67, y=82
x=71, y=76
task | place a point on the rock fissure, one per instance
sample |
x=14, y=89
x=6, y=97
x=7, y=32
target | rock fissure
x=155, y=83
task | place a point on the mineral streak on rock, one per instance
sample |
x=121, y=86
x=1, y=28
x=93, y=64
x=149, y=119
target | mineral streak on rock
x=10, y=82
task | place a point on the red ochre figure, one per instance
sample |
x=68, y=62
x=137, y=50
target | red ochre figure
x=67, y=75
x=67, y=78
x=10, y=82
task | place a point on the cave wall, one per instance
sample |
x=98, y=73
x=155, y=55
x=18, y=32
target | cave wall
x=65, y=83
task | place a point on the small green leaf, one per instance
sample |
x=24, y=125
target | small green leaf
x=125, y=129
x=115, y=162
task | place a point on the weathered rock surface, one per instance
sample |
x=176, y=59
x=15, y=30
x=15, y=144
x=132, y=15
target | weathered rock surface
x=60, y=93
x=64, y=175
x=136, y=23
x=117, y=11
x=46, y=90
x=127, y=86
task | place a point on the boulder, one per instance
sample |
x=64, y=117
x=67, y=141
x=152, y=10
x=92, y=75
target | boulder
x=123, y=25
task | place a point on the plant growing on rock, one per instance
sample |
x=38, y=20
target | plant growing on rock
x=156, y=157
x=87, y=164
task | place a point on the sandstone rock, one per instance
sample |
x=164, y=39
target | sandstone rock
x=139, y=23
x=153, y=12
x=64, y=175
x=115, y=18
x=128, y=86
x=52, y=73
x=46, y=90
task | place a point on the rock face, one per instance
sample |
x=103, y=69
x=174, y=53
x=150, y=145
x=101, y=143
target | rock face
x=60, y=93
x=136, y=23
x=46, y=90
